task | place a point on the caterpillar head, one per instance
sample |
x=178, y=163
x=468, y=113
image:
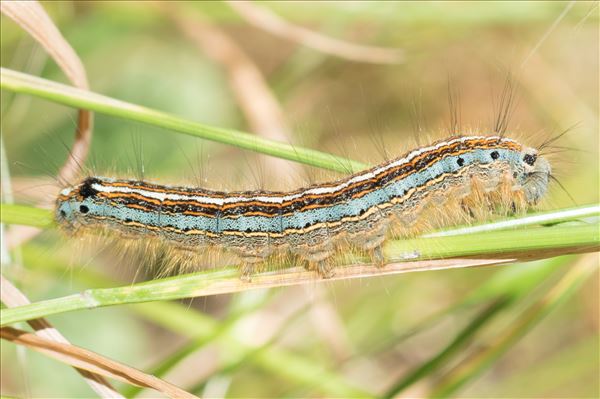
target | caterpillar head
x=533, y=174
x=74, y=205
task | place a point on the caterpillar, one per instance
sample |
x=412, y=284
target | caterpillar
x=456, y=177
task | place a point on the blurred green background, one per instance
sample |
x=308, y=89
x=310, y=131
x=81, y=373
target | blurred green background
x=357, y=330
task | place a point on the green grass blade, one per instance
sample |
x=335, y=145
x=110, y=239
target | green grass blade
x=26, y=215
x=559, y=216
x=536, y=242
x=27, y=84
x=506, y=246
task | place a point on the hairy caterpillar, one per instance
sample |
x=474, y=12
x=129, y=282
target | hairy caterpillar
x=456, y=175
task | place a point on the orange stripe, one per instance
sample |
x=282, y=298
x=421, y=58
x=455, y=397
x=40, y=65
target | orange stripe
x=473, y=144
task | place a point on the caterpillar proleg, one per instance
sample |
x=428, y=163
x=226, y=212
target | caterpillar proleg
x=458, y=178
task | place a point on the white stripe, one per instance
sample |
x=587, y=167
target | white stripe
x=158, y=196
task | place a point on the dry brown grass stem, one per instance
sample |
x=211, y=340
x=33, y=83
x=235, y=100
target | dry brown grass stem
x=11, y=296
x=91, y=361
x=266, y=20
x=259, y=105
x=32, y=18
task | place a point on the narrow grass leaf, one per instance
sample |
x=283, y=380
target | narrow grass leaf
x=88, y=360
x=68, y=95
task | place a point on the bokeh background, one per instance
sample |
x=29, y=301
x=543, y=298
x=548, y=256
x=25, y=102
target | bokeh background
x=162, y=56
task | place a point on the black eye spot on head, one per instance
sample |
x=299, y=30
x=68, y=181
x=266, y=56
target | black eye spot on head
x=63, y=213
x=460, y=161
x=86, y=189
x=530, y=159
x=495, y=155
x=83, y=209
